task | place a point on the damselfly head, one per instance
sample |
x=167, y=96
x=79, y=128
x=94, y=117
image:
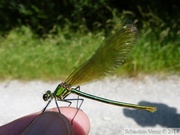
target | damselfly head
x=47, y=95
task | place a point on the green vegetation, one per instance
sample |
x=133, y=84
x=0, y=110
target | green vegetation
x=49, y=39
x=152, y=56
x=25, y=56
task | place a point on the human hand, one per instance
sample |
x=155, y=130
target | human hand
x=49, y=122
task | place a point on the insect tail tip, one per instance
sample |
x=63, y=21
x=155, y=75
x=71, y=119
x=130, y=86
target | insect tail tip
x=151, y=109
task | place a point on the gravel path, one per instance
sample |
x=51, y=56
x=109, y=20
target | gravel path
x=20, y=98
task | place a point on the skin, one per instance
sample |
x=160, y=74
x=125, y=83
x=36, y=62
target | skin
x=50, y=122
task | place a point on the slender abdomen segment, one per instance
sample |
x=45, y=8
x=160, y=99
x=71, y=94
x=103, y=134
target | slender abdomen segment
x=117, y=103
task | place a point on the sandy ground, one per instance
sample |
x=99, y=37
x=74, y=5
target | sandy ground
x=20, y=98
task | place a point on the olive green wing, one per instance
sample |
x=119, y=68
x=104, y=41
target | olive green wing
x=109, y=56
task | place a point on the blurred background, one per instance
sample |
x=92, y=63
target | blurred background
x=42, y=42
x=49, y=39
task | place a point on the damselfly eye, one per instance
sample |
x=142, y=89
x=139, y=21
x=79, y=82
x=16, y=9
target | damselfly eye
x=45, y=97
